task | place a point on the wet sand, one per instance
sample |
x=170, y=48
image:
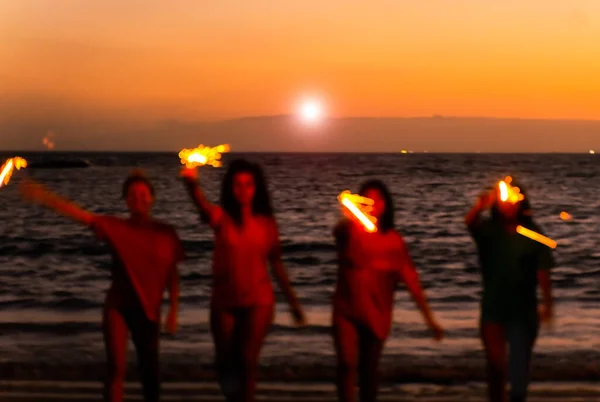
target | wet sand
x=39, y=391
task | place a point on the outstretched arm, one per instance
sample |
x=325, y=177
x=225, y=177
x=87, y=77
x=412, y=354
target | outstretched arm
x=282, y=277
x=209, y=212
x=37, y=193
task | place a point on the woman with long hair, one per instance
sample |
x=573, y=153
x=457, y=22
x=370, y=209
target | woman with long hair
x=145, y=257
x=370, y=267
x=512, y=266
x=242, y=302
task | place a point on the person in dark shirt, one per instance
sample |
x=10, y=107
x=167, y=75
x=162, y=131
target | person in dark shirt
x=512, y=266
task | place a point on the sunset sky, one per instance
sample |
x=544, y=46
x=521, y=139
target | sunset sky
x=197, y=60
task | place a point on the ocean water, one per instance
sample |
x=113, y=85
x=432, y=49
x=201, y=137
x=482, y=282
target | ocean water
x=54, y=274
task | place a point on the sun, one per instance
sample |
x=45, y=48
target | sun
x=311, y=111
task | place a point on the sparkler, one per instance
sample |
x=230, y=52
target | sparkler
x=8, y=167
x=509, y=193
x=203, y=155
x=536, y=236
x=513, y=195
x=351, y=202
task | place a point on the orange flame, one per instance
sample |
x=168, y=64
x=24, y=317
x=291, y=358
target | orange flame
x=350, y=201
x=536, y=236
x=8, y=167
x=565, y=216
x=508, y=192
x=203, y=155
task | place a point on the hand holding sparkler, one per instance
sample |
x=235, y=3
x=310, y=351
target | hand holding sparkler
x=8, y=167
x=200, y=156
x=189, y=173
x=359, y=207
x=203, y=155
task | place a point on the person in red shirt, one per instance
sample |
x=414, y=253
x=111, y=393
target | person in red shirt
x=370, y=267
x=242, y=301
x=145, y=257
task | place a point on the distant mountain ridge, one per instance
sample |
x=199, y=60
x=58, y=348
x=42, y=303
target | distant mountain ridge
x=286, y=133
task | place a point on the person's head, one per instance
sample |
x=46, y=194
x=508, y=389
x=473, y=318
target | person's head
x=245, y=186
x=519, y=212
x=383, y=206
x=138, y=193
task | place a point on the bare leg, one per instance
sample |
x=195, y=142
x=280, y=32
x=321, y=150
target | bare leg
x=222, y=325
x=494, y=341
x=345, y=337
x=254, y=327
x=145, y=336
x=115, y=342
x=370, y=348
x=521, y=341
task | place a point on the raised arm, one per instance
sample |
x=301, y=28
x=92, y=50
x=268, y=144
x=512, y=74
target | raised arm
x=37, y=193
x=281, y=275
x=209, y=212
x=486, y=200
x=410, y=277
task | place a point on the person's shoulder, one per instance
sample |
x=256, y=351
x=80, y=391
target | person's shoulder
x=395, y=235
x=396, y=238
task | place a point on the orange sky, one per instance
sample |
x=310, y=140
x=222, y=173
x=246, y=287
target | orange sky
x=137, y=62
x=213, y=59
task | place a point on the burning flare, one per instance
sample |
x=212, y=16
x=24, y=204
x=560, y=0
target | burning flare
x=536, y=236
x=565, y=216
x=352, y=202
x=8, y=167
x=509, y=193
x=203, y=156
x=513, y=195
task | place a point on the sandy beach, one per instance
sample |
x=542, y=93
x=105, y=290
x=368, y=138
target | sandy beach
x=38, y=391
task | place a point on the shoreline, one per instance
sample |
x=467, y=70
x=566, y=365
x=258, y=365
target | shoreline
x=580, y=367
x=38, y=391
